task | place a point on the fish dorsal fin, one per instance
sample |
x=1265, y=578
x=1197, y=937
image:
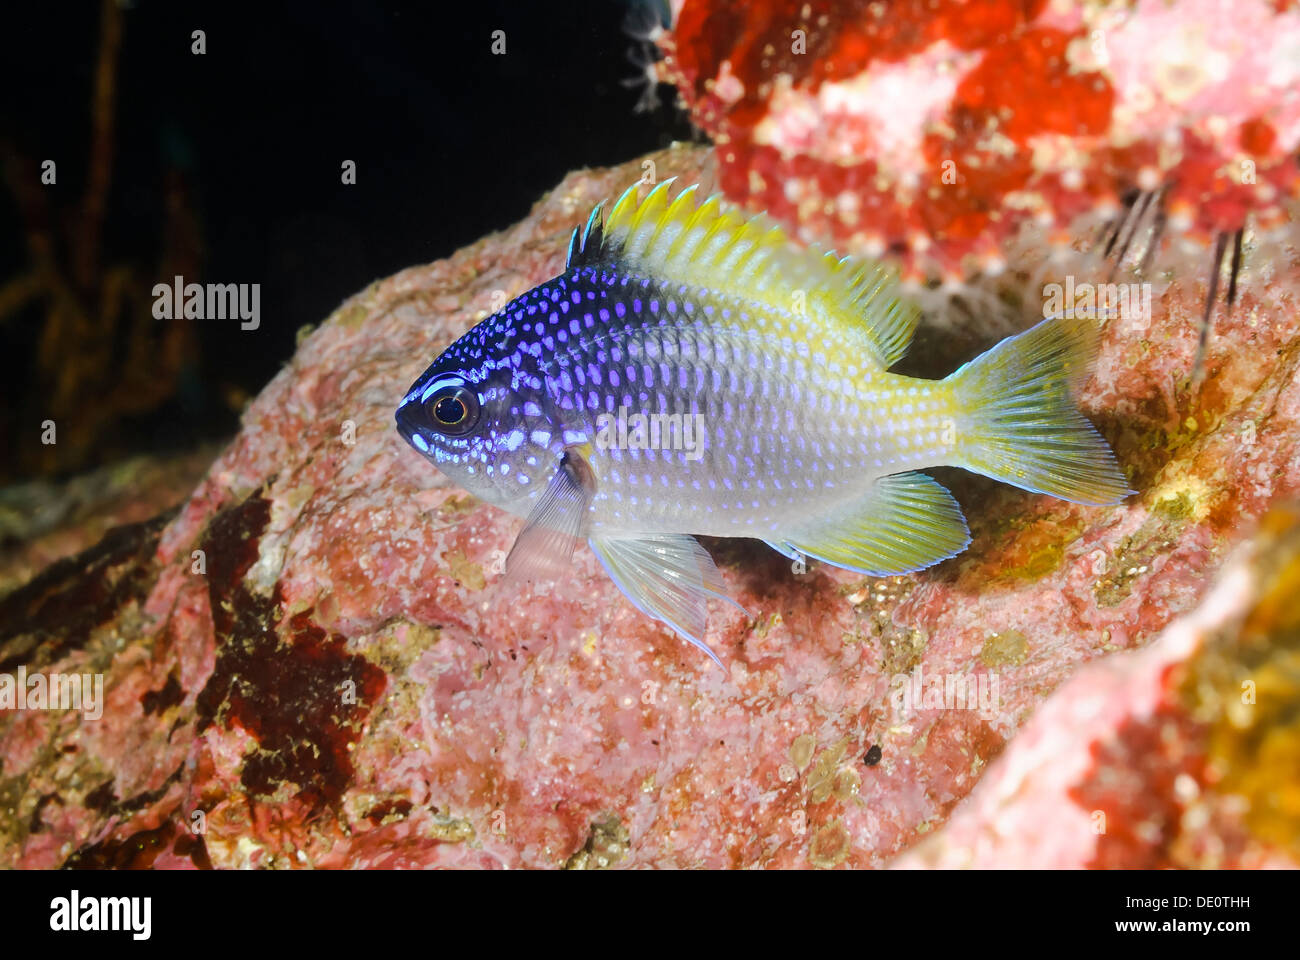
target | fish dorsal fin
x=586, y=248
x=714, y=246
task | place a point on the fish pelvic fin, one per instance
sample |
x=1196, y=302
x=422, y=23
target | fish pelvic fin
x=1018, y=422
x=669, y=577
x=907, y=521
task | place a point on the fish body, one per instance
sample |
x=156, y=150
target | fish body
x=693, y=373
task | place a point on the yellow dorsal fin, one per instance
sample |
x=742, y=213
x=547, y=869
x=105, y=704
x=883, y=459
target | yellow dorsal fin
x=709, y=245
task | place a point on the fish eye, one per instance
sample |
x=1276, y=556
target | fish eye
x=450, y=411
x=453, y=411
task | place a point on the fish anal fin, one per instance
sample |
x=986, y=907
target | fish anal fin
x=907, y=522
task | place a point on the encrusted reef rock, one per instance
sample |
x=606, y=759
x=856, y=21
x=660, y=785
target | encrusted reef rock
x=313, y=662
x=1183, y=754
x=42, y=521
x=935, y=130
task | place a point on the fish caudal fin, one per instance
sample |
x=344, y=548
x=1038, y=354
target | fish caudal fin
x=1019, y=423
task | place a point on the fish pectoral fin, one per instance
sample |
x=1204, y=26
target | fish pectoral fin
x=666, y=576
x=907, y=522
x=544, y=547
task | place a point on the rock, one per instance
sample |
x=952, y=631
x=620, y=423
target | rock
x=1182, y=754
x=43, y=521
x=314, y=664
x=935, y=131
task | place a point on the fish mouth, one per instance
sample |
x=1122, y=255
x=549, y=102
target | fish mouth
x=407, y=429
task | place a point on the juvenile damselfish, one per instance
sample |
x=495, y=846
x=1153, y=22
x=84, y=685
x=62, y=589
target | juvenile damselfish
x=693, y=372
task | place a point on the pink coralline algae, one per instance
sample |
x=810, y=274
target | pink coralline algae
x=315, y=662
x=934, y=131
x=1181, y=754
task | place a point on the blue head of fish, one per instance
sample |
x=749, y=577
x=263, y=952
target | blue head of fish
x=479, y=414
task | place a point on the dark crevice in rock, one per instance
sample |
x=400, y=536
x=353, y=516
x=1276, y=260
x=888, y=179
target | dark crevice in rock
x=58, y=610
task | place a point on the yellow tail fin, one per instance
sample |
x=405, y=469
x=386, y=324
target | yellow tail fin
x=1020, y=424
